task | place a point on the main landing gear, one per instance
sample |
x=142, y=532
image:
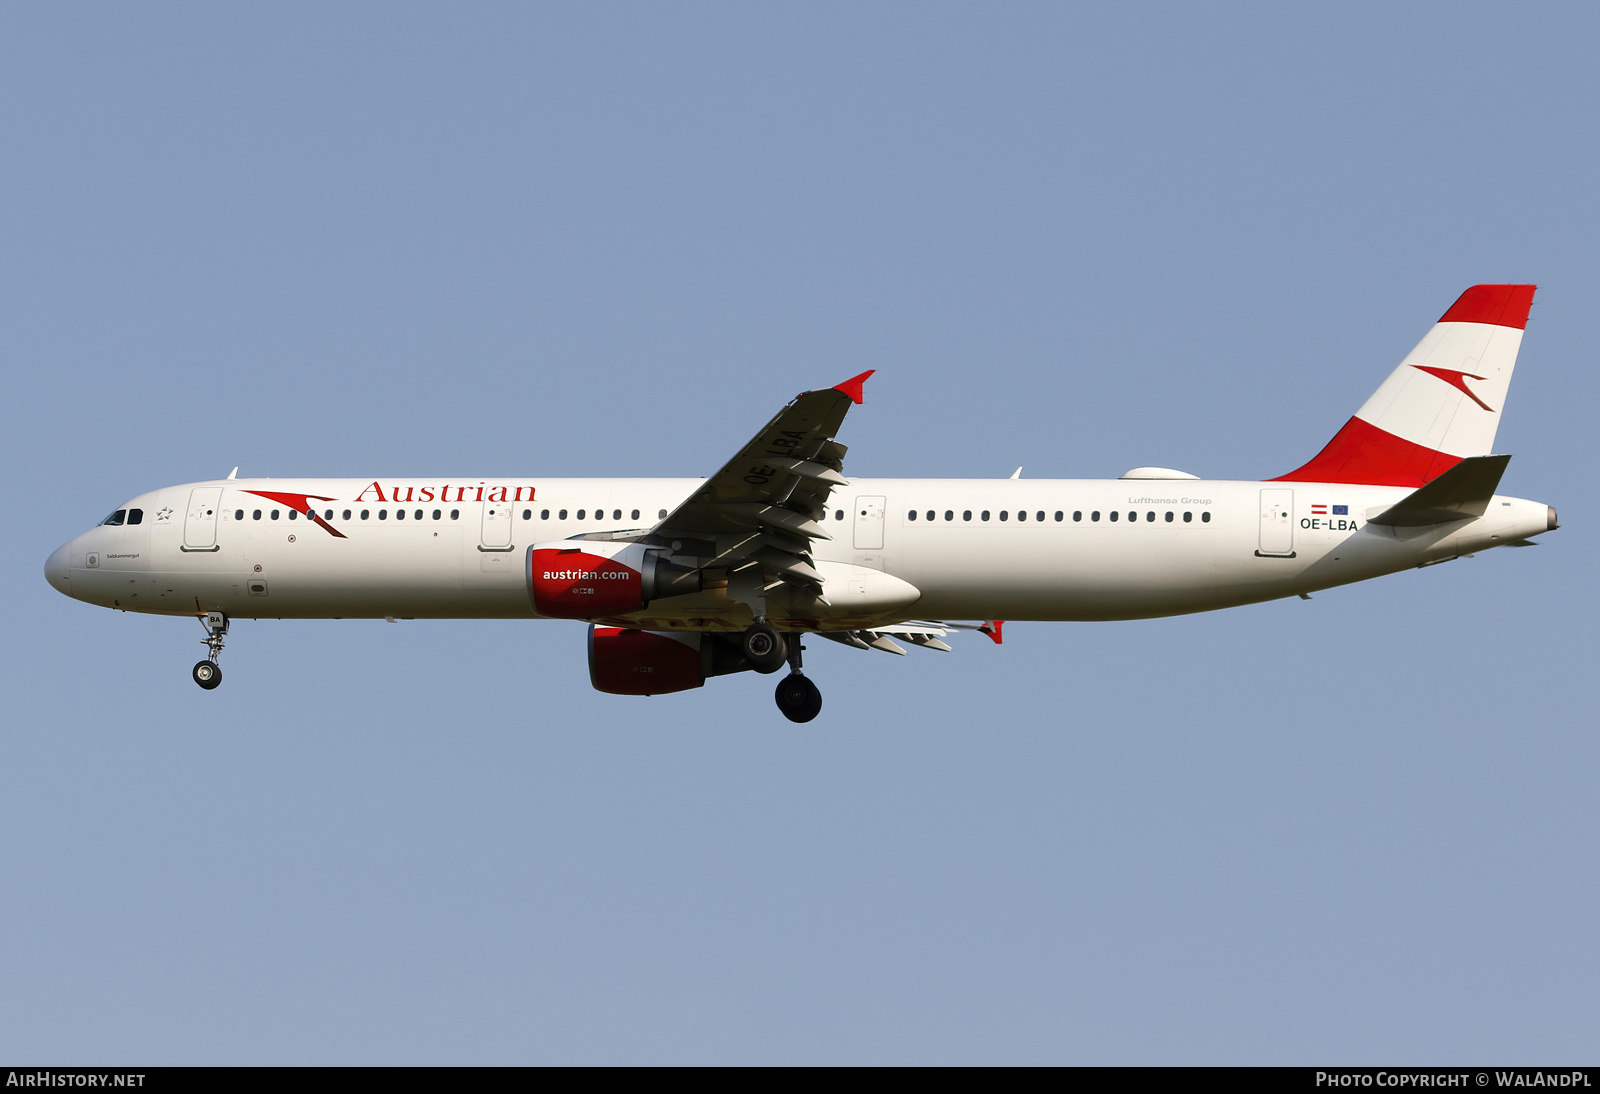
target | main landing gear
x=207, y=673
x=764, y=647
x=767, y=651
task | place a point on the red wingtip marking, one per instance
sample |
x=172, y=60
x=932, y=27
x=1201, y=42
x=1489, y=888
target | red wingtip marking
x=852, y=386
x=1502, y=305
x=993, y=630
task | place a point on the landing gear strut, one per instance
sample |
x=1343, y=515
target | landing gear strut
x=797, y=697
x=764, y=647
x=207, y=673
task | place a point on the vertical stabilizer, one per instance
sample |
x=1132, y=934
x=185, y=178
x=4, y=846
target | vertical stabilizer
x=1441, y=405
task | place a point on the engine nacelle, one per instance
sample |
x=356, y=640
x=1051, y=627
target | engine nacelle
x=585, y=579
x=629, y=662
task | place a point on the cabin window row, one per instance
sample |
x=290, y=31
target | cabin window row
x=347, y=514
x=585, y=514
x=134, y=516
x=1039, y=516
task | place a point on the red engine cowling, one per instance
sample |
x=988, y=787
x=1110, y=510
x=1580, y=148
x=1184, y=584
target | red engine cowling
x=629, y=662
x=590, y=579
x=582, y=582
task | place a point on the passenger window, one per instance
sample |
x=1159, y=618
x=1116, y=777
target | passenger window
x=1205, y=518
x=616, y=514
x=274, y=514
x=949, y=514
x=1095, y=516
x=581, y=512
x=635, y=515
x=399, y=514
x=1040, y=515
x=1149, y=516
x=1077, y=515
x=1169, y=516
x=238, y=514
x=437, y=514
x=256, y=515
x=346, y=514
x=838, y=514
x=1187, y=516
x=527, y=514
x=327, y=514
x=294, y=514
x=563, y=514
x=911, y=515
x=1022, y=514
x=931, y=514
x=966, y=514
x=383, y=514
x=663, y=515
x=984, y=515
x=1132, y=515
x=417, y=514
x=544, y=514
x=1115, y=514
x=455, y=514
x=365, y=513
x=116, y=518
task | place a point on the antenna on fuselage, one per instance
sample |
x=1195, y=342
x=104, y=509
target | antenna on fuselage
x=235, y=473
x=1017, y=474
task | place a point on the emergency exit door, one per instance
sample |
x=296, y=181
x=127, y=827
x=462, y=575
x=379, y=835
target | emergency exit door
x=869, y=524
x=200, y=522
x=1277, y=524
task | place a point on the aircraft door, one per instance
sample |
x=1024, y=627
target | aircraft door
x=496, y=526
x=1277, y=524
x=200, y=523
x=869, y=524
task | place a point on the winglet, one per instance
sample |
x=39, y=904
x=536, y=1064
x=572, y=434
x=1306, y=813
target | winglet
x=992, y=629
x=852, y=386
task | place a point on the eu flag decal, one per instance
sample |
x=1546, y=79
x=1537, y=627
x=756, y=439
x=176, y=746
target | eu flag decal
x=1341, y=510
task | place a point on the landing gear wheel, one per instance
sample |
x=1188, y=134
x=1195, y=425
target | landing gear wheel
x=207, y=674
x=764, y=648
x=798, y=698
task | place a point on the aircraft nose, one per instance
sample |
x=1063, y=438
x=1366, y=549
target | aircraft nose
x=56, y=569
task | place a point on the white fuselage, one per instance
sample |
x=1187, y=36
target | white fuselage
x=1176, y=546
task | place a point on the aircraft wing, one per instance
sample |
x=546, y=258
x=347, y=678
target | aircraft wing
x=761, y=512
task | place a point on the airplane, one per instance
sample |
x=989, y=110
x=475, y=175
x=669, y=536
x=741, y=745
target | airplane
x=681, y=580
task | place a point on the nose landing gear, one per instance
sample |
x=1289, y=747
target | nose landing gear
x=797, y=697
x=207, y=673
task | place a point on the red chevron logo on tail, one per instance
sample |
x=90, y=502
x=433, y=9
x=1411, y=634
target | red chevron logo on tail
x=1457, y=380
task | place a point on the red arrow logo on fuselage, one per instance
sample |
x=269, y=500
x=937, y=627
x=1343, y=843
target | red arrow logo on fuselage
x=300, y=503
x=1457, y=380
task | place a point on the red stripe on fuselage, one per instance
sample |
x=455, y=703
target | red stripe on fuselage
x=1502, y=305
x=1363, y=453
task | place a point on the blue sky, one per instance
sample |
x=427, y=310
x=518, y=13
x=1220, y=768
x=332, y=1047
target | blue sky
x=614, y=239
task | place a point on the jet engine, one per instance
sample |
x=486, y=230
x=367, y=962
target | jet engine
x=584, y=579
x=629, y=662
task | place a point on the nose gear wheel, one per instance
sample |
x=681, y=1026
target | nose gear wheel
x=207, y=673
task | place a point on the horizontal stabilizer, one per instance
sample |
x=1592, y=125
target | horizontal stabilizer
x=1460, y=493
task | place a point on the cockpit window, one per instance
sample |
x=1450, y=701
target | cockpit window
x=116, y=518
x=135, y=516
